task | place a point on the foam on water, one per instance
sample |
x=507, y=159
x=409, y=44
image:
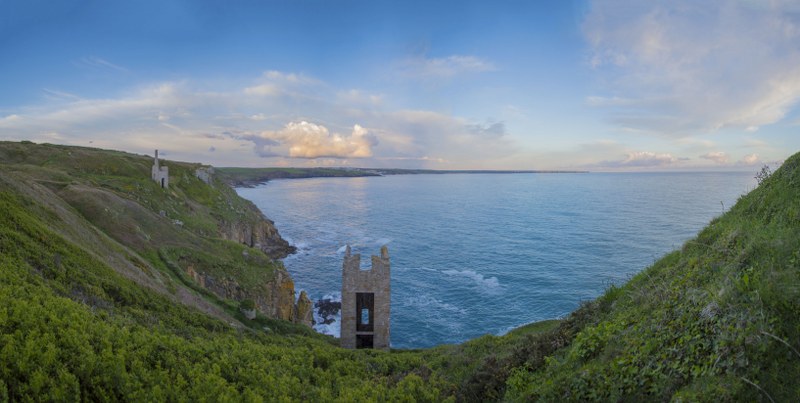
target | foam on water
x=489, y=284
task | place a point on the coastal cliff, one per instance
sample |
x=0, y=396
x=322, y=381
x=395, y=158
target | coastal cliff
x=260, y=234
x=196, y=231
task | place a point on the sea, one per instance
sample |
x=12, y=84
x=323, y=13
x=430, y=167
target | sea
x=475, y=254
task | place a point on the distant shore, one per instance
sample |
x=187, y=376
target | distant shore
x=250, y=177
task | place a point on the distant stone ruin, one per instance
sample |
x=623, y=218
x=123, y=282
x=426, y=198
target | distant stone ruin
x=160, y=174
x=366, y=300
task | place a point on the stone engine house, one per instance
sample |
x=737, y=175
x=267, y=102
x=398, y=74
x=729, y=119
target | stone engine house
x=366, y=300
x=160, y=174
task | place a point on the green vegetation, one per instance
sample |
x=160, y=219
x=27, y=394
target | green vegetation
x=92, y=312
x=244, y=177
x=254, y=176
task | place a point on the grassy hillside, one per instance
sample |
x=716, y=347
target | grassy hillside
x=86, y=316
x=105, y=202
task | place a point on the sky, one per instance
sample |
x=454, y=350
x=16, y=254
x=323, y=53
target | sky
x=600, y=85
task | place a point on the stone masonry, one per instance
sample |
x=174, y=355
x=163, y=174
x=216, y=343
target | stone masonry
x=366, y=300
x=160, y=174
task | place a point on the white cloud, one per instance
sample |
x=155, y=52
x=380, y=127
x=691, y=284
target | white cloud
x=293, y=78
x=750, y=159
x=684, y=66
x=10, y=119
x=264, y=90
x=718, y=157
x=640, y=159
x=446, y=67
x=98, y=63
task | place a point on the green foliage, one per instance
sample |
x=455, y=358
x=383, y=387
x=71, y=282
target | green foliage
x=71, y=328
x=253, y=176
x=247, y=304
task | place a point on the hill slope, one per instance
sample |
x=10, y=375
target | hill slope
x=191, y=241
x=717, y=320
x=87, y=311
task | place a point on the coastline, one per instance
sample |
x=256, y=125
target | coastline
x=251, y=177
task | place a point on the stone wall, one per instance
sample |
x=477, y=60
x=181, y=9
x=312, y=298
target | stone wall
x=160, y=174
x=377, y=280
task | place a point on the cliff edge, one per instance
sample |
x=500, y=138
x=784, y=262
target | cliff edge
x=192, y=238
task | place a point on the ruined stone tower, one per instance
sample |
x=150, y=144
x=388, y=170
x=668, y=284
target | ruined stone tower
x=366, y=299
x=160, y=174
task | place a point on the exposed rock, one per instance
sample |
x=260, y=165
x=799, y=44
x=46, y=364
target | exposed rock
x=282, y=295
x=261, y=235
x=304, y=314
x=249, y=313
x=274, y=299
x=327, y=309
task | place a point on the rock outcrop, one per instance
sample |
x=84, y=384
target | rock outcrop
x=261, y=234
x=304, y=314
x=327, y=310
x=274, y=299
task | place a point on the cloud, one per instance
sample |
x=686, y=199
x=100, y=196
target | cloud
x=309, y=140
x=750, y=159
x=641, y=159
x=490, y=129
x=446, y=67
x=189, y=121
x=674, y=68
x=718, y=157
x=263, y=90
x=98, y=63
x=10, y=119
x=148, y=102
x=275, y=84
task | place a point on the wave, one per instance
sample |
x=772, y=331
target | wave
x=332, y=329
x=485, y=283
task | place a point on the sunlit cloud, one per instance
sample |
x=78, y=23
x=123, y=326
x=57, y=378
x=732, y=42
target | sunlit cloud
x=710, y=65
x=309, y=140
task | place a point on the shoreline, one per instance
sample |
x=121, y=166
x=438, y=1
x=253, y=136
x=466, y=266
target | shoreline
x=252, y=177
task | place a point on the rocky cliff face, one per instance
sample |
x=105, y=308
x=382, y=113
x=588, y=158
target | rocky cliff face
x=274, y=299
x=304, y=314
x=261, y=234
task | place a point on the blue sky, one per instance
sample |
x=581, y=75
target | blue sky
x=598, y=85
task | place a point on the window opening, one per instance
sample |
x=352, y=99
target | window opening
x=365, y=308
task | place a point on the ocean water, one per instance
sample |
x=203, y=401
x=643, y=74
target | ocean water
x=474, y=254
